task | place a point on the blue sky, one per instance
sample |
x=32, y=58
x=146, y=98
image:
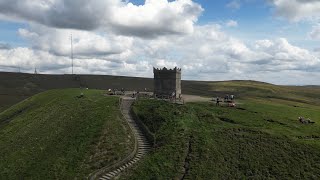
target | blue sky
x=255, y=21
x=8, y=33
x=213, y=40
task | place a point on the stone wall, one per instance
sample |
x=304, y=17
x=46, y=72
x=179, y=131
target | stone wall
x=167, y=82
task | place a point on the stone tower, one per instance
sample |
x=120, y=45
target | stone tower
x=167, y=82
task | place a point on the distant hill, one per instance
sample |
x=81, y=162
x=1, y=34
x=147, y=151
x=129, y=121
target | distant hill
x=15, y=87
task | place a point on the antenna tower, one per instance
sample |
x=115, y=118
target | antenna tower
x=71, y=53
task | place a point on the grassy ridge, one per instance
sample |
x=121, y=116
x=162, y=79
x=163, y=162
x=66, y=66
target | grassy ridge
x=248, y=89
x=260, y=139
x=55, y=135
x=15, y=87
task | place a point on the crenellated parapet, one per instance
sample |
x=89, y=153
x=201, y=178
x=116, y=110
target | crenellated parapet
x=163, y=70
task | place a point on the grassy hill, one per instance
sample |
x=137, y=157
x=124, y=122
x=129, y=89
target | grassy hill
x=261, y=139
x=55, y=135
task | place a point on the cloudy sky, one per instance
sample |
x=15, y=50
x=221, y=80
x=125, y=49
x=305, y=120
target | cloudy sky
x=275, y=41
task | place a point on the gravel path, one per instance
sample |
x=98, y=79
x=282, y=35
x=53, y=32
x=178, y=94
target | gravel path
x=193, y=98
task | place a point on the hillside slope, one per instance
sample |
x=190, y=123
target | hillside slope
x=261, y=139
x=254, y=89
x=56, y=135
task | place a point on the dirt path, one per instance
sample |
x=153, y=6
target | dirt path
x=193, y=98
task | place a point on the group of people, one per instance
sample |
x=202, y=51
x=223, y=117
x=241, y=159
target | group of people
x=122, y=92
x=135, y=94
x=114, y=91
x=305, y=121
x=227, y=99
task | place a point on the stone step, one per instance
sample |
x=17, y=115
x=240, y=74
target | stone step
x=107, y=176
x=104, y=178
x=118, y=170
x=143, y=145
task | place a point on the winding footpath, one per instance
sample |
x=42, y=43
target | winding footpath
x=142, y=146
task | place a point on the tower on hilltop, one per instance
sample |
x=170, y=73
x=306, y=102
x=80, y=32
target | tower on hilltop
x=167, y=82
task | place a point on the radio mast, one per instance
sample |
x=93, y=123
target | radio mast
x=71, y=53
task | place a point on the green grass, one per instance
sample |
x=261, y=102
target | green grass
x=249, y=89
x=55, y=135
x=262, y=138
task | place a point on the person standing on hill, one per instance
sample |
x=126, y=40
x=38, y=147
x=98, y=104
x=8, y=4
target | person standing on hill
x=218, y=101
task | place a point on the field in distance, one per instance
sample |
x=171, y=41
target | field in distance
x=15, y=87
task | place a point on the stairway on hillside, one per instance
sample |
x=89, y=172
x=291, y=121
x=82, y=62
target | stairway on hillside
x=142, y=145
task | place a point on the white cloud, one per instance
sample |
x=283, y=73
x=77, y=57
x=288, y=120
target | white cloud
x=263, y=44
x=206, y=54
x=210, y=54
x=300, y=10
x=154, y=18
x=86, y=44
x=283, y=56
x=315, y=32
x=27, y=59
x=164, y=63
x=297, y=10
x=281, y=49
x=235, y=4
x=115, y=47
x=231, y=23
x=4, y=45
